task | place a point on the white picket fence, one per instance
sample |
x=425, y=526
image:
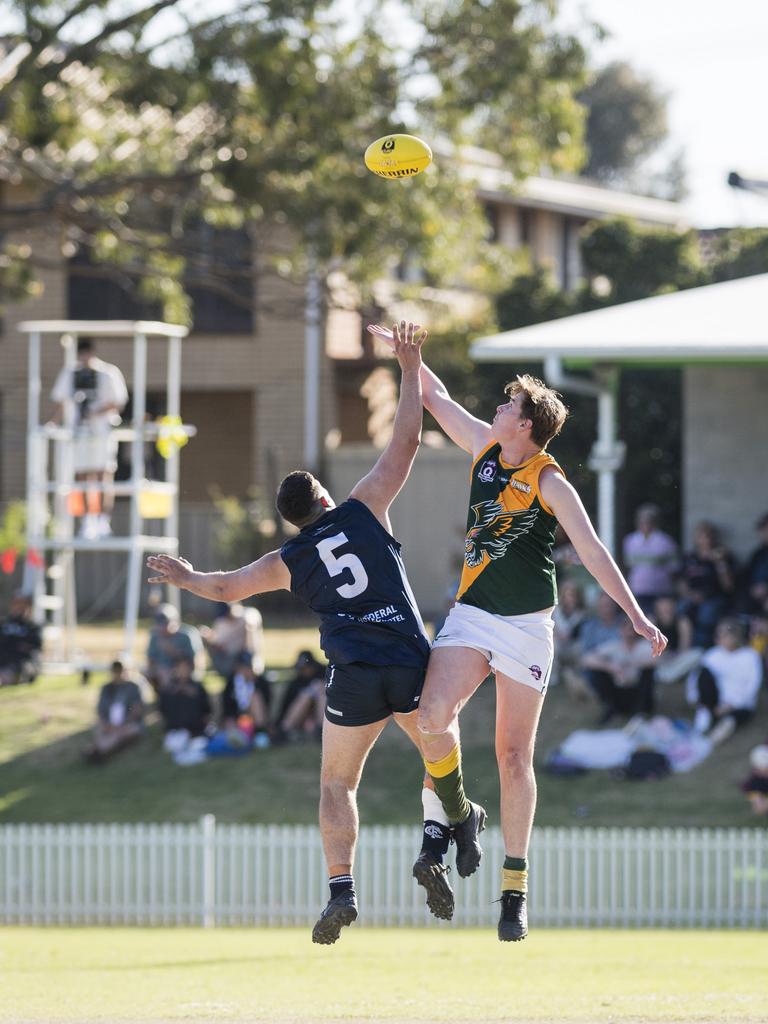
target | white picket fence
x=210, y=874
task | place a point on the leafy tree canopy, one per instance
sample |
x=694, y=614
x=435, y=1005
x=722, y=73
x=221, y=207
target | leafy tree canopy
x=125, y=139
x=626, y=121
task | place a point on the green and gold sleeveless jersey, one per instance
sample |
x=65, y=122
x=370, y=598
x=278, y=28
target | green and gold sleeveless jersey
x=508, y=567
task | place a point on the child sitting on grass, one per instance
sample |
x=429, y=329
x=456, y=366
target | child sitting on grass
x=756, y=786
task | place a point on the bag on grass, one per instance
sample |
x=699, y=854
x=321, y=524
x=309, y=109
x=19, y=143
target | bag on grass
x=647, y=764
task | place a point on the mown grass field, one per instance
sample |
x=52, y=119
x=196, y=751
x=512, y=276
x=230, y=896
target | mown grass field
x=44, y=727
x=151, y=976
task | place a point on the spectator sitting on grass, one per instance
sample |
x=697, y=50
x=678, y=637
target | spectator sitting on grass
x=184, y=705
x=758, y=635
x=754, y=596
x=601, y=627
x=708, y=583
x=235, y=629
x=120, y=716
x=756, y=786
x=621, y=674
x=568, y=616
x=170, y=640
x=726, y=686
x=680, y=657
x=303, y=703
x=247, y=694
x=20, y=643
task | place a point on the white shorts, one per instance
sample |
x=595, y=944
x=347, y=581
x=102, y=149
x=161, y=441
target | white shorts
x=518, y=646
x=95, y=451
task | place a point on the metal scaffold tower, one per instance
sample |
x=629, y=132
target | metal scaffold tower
x=51, y=540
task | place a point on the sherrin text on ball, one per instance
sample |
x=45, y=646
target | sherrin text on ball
x=398, y=156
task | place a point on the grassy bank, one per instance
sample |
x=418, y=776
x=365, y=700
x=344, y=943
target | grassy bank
x=44, y=727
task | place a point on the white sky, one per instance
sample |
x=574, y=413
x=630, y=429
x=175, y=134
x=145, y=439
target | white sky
x=712, y=60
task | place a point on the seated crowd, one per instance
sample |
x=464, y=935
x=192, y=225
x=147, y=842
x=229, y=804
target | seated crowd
x=714, y=613
x=196, y=725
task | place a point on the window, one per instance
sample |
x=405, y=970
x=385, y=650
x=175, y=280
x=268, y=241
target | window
x=99, y=292
x=218, y=280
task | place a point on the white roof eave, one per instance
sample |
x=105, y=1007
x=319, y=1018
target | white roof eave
x=104, y=328
x=723, y=322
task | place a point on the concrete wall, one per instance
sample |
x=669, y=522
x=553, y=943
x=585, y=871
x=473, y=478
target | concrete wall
x=725, y=440
x=428, y=516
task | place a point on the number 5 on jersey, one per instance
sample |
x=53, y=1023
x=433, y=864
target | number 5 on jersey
x=336, y=566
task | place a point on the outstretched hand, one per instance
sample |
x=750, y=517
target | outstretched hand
x=172, y=571
x=379, y=331
x=407, y=342
x=645, y=628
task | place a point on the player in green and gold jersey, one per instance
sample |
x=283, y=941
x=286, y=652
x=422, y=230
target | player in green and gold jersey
x=502, y=619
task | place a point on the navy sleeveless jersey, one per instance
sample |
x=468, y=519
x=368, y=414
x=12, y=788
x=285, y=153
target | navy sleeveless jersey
x=348, y=569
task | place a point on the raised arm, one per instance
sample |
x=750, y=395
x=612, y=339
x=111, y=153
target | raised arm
x=462, y=427
x=567, y=506
x=267, y=573
x=379, y=488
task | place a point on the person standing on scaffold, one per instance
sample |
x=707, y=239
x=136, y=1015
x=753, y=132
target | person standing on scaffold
x=99, y=392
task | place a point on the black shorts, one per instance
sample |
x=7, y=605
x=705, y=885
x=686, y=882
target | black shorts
x=360, y=694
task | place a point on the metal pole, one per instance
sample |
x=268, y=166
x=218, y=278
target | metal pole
x=137, y=475
x=34, y=578
x=312, y=346
x=173, y=408
x=606, y=474
x=65, y=616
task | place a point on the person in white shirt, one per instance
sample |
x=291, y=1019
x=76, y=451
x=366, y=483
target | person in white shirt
x=100, y=394
x=726, y=686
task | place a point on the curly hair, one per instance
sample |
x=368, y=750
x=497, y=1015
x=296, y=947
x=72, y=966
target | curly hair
x=541, y=405
x=297, y=496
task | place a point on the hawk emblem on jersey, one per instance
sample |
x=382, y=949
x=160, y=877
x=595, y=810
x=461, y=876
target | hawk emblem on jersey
x=494, y=530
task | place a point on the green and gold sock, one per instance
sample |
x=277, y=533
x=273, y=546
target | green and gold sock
x=514, y=875
x=446, y=776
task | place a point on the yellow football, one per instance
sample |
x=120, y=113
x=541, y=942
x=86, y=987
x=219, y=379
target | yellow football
x=398, y=156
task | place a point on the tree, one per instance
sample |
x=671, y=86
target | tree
x=530, y=299
x=504, y=78
x=256, y=120
x=626, y=122
x=740, y=252
x=636, y=262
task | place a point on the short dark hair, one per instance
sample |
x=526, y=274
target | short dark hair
x=117, y=666
x=297, y=496
x=85, y=345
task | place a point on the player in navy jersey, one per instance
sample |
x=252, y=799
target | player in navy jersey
x=345, y=563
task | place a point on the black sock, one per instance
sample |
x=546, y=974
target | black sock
x=436, y=839
x=340, y=884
